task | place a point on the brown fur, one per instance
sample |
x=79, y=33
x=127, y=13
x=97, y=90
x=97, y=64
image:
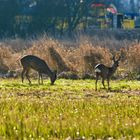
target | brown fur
x=105, y=72
x=33, y=62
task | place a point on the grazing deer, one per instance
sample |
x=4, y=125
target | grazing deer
x=105, y=72
x=33, y=62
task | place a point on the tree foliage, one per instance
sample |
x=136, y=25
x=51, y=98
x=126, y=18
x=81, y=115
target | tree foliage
x=25, y=17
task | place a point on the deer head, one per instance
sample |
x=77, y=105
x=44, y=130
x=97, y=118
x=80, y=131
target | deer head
x=116, y=62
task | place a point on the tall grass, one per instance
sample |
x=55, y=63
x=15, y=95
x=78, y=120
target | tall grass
x=80, y=56
x=133, y=57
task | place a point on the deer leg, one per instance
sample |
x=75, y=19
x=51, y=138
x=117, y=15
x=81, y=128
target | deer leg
x=97, y=77
x=103, y=83
x=108, y=83
x=27, y=76
x=22, y=74
x=40, y=77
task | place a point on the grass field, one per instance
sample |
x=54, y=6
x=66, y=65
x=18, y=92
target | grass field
x=69, y=110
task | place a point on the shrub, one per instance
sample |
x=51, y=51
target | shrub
x=77, y=57
x=133, y=58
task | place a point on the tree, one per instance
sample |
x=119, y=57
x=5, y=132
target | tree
x=8, y=10
x=132, y=6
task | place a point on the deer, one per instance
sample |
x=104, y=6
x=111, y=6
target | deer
x=33, y=62
x=106, y=72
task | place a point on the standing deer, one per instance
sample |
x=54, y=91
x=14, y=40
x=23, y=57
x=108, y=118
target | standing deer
x=105, y=72
x=33, y=62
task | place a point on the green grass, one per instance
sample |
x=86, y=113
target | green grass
x=69, y=109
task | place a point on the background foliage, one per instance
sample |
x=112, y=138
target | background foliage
x=28, y=17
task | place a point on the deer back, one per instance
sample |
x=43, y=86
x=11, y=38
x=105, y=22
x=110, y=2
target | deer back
x=105, y=71
x=35, y=63
x=102, y=70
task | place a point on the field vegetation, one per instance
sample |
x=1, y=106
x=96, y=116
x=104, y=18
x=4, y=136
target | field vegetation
x=77, y=57
x=71, y=109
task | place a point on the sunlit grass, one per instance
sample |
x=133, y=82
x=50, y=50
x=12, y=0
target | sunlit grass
x=69, y=109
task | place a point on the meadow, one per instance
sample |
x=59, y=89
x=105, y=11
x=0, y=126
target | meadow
x=69, y=110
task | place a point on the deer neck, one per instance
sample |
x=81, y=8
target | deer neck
x=48, y=71
x=112, y=69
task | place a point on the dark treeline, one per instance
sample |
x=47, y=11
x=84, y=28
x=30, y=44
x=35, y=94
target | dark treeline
x=28, y=17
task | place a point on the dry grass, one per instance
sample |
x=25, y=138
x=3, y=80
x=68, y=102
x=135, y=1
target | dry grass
x=133, y=58
x=79, y=57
